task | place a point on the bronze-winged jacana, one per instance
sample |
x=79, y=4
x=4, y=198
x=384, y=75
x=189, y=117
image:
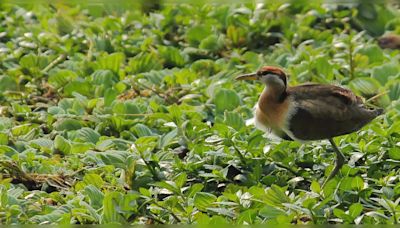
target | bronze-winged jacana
x=309, y=111
x=390, y=41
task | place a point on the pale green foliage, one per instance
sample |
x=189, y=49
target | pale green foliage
x=110, y=115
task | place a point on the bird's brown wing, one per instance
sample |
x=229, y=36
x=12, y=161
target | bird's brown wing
x=326, y=111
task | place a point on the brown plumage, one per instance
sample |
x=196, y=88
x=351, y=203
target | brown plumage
x=390, y=41
x=326, y=111
x=309, y=111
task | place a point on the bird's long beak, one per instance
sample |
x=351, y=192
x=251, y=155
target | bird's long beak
x=251, y=76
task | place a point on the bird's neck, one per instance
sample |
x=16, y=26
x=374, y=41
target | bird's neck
x=273, y=94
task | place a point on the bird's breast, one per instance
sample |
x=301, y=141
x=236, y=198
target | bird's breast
x=273, y=115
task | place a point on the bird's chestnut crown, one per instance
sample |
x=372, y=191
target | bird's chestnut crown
x=269, y=75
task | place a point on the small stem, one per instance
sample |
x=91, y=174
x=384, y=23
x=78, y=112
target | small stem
x=377, y=96
x=170, y=211
x=156, y=219
x=90, y=50
x=151, y=169
x=54, y=63
x=351, y=60
x=153, y=90
x=181, y=131
x=239, y=154
x=287, y=168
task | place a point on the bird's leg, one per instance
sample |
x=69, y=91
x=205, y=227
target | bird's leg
x=338, y=164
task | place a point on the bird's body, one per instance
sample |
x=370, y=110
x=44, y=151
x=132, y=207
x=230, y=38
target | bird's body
x=309, y=111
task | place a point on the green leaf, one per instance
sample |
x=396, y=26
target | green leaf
x=3, y=139
x=222, y=211
x=111, y=62
x=82, y=87
x=20, y=109
x=93, y=179
x=394, y=90
x=61, y=144
x=59, y=78
x=180, y=180
x=67, y=125
x=315, y=187
x=211, y=43
x=373, y=17
x=203, y=200
x=330, y=187
x=218, y=221
x=226, y=99
x=22, y=129
x=146, y=143
x=115, y=158
x=144, y=63
x=270, y=212
x=394, y=153
x=65, y=25
x=172, y=56
x=109, y=96
x=169, y=185
x=95, y=195
x=234, y=120
x=77, y=148
x=346, y=183
x=388, y=192
x=366, y=86
x=357, y=183
x=142, y=130
x=168, y=138
x=275, y=196
x=42, y=143
x=196, y=34
x=8, y=151
x=323, y=67
x=341, y=214
x=110, y=205
x=367, y=11
x=50, y=218
x=88, y=135
x=383, y=72
x=355, y=210
x=248, y=216
x=104, y=77
x=235, y=34
x=5, y=123
x=195, y=188
x=33, y=62
x=7, y=84
x=374, y=53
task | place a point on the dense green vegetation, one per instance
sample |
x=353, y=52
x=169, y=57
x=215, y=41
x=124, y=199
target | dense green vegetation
x=114, y=116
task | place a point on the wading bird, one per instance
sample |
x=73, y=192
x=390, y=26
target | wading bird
x=390, y=41
x=309, y=111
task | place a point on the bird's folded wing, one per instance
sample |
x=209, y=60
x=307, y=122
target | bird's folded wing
x=325, y=111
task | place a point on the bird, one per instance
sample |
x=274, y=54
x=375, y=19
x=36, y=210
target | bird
x=389, y=41
x=309, y=111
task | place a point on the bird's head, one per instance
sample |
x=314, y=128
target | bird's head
x=269, y=75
